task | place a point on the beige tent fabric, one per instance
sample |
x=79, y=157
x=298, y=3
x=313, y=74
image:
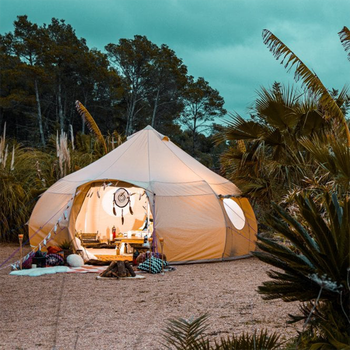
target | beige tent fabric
x=193, y=227
x=241, y=242
x=184, y=197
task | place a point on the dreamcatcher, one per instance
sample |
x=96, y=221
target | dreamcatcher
x=121, y=199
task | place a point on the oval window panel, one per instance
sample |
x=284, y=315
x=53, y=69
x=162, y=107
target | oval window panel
x=235, y=213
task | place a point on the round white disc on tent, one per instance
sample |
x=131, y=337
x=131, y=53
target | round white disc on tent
x=235, y=213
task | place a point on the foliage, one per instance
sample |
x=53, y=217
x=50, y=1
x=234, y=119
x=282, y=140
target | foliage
x=65, y=245
x=273, y=160
x=45, y=68
x=202, y=103
x=309, y=79
x=313, y=265
x=153, y=78
x=89, y=120
x=344, y=36
x=26, y=173
x=184, y=334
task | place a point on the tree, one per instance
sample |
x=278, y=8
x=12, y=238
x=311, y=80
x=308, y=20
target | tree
x=133, y=59
x=202, y=104
x=27, y=44
x=313, y=258
x=167, y=80
x=153, y=79
x=309, y=79
x=65, y=55
x=272, y=160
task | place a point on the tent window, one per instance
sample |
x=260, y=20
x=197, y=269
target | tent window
x=235, y=213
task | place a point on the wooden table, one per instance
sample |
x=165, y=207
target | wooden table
x=133, y=240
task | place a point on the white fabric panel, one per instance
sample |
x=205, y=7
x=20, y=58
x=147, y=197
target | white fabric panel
x=64, y=186
x=197, y=188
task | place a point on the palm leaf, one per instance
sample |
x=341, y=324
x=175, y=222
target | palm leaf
x=255, y=341
x=344, y=36
x=91, y=124
x=185, y=334
x=309, y=79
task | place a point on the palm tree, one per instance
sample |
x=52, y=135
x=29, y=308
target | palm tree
x=344, y=35
x=272, y=160
x=309, y=79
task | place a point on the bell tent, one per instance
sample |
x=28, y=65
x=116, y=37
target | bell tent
x=199, y=214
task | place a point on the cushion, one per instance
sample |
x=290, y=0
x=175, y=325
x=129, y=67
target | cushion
x=28, y=263
x=154, y=267
x=86, y=255
x=54, y=260
x=53, y=249
x=75, y=260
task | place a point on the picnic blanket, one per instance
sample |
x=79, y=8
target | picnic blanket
x=58, y=269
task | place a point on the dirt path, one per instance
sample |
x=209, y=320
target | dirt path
x=76, y=311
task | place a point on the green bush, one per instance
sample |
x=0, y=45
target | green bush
x=312, y=267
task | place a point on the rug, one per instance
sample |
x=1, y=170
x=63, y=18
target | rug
x=87, y=268
x=57, y=269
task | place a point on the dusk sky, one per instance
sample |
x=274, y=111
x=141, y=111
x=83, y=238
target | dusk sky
x=218, y=40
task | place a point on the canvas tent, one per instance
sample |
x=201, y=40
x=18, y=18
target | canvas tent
x=200, y=215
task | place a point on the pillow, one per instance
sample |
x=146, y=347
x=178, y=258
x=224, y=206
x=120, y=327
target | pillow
x=75, y=260
x=28, y=263
x=156, y=265
x=53, y=249
x=54, y=260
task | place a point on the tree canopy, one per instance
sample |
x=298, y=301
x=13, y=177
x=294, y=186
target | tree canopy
x=45, y=69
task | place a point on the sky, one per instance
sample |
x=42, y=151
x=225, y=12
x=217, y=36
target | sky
x=220, y=40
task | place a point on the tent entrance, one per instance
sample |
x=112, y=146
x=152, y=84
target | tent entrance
x=112, y=214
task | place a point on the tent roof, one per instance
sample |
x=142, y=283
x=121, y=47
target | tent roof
x=150, y=160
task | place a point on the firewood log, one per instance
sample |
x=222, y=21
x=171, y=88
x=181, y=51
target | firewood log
x=121, y=269
x=114, y=274
x=109, y=268
x=130, y=269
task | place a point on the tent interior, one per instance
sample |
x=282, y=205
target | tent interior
x=113, y=210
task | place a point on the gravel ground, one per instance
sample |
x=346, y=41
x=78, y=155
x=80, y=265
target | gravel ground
x=76, y=311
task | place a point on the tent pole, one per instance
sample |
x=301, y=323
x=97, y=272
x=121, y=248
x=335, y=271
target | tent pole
x=148, y=222
x=20, y=238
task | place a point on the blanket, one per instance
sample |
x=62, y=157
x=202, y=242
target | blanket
x=58, y=269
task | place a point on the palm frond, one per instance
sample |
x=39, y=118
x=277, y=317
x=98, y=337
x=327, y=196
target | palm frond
x=309, y=79
x=186, y=334
x=239, y=128
x=278, y=107
x=91, y=124
x=332, y=155
x=344, y=36
x=255, y=341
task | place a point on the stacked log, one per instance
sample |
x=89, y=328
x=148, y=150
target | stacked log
x=119, y=268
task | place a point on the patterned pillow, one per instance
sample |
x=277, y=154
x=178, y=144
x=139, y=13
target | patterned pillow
x=54, y=260
x=156, y=265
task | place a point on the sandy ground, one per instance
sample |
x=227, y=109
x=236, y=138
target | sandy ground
x=76, y=311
